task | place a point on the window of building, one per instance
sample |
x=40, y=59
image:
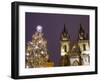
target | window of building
x=84, y=47
x=65, y=48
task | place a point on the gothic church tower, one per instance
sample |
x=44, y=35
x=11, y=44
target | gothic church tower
x=83, y=42
x=65, y=42
x=64, y=47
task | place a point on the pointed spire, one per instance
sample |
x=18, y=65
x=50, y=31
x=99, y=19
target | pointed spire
x=64, y=30
x=81, y=33
x=65, y=34
x=81, y=29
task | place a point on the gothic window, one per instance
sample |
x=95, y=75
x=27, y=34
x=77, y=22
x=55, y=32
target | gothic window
x=65, y=48
x=84, y=47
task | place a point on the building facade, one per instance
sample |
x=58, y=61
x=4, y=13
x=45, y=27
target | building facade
x=77, y=53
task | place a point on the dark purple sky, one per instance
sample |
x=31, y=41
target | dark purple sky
x=53, y=25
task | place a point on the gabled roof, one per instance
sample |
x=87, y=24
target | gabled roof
x=74, y=49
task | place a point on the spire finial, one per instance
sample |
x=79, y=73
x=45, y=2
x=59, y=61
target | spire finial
x=64, y=28
x=81, y=29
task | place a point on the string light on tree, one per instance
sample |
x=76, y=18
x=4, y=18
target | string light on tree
x=36, y=51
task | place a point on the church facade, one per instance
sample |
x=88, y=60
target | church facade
x=77, y=53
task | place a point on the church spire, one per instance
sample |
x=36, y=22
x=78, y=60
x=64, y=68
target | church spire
x=81, y=30
x=64, y=35
x=81, y=33
x=64, y=28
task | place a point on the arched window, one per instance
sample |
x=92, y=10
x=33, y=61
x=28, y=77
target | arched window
x=84, y=47
x=65, y=48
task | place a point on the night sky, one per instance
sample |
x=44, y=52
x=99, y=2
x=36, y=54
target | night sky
x=53, y=25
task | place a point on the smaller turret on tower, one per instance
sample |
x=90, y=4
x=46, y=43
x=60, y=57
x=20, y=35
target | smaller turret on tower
x=83, y=42
x=81, y=33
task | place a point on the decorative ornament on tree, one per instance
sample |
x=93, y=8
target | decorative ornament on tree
x=39, y=28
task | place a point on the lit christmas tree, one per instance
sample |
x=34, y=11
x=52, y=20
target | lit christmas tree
x=36, y=51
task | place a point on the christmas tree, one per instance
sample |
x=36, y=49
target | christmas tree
x=36, y=50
